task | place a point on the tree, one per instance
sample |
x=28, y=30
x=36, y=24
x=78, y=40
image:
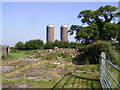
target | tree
x=49, y=45
x=118, y=36
x=19, y=46
x=62, y=44
x=100, y=25
x=34, y=44
x=57, y=43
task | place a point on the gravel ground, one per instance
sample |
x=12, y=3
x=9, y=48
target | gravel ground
x=7, y=68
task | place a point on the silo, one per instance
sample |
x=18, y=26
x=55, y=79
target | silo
x=64, y=32
x=50, y=33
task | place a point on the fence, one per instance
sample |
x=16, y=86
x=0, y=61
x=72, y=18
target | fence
x=107, y=80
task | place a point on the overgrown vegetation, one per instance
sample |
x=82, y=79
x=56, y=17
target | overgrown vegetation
x=15, y=54
x=101, y=25
x=30, y=45
x=53, y=73
x=91, y=52
x=56, y=56
x=52, y=66
x=62, y=44
x=38, y=44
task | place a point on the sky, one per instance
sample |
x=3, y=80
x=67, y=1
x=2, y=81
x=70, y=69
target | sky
x=23, y=21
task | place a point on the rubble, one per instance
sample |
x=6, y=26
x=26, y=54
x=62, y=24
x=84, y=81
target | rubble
x=73, y=53
x=57, y=63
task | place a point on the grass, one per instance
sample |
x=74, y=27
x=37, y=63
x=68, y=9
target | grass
x=78, y=79
x=114, y=73
x=18, y=54
x=45, y=84
x=80, y=76
x=37, y=84
x=54, y=56
x=20, y=70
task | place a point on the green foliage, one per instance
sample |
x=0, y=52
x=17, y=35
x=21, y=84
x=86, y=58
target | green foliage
x=54, y=56
x=62, y=44
x=19, y=46
x=30, y=45
x=15, y=54
x=99, y=26
x=116, y=45
x=109, y=31
x=65, y=55
x=4, y=57
x=38, y=44
x=75, y=45
x=34, y=44
x=59, y=44
x=92, y=52
x=51, y=56
x=52, y=76
x=86, y=34
x=118, y=36
x=49, y=45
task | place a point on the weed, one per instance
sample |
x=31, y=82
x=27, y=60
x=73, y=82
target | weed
x=15, y=54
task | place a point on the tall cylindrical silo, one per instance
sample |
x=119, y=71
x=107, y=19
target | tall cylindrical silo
x=64, y=32
x=50, y=33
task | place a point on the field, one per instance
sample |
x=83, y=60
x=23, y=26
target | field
x=46, y=71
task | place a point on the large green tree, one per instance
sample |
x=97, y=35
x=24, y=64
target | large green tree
x=118, y=38
x=99, y=25
x=30, y=45
x=34, y=44
x=19, y=46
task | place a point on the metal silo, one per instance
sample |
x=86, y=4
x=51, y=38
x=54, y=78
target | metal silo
x=50, y=33
x=64, y=32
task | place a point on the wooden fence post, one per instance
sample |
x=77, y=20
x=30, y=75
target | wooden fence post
x=103, y=62
x=103, y=54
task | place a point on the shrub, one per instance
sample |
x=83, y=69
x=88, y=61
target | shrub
x=50, y=56
x=59, y=44
x=92, y=52
x=19, y=46
x=65, y=55
x=30, y=45
x=4, y=57
x=34, y=44
x=62, y=44
x=49, y=45
x=75, y=45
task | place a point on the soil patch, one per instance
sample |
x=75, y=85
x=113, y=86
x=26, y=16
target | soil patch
x=7, y=68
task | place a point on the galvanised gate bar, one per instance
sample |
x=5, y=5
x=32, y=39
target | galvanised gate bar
x=107, y=80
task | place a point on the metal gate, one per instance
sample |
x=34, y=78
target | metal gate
x=107, y=80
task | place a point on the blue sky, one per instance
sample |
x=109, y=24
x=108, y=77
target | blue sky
x=23, y=21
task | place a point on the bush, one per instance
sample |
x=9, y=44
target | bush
x=34, y=44
x=49, y=45
x=30, y=45
x=116, y=45
x=4, y=57
x=92, y=52
x=19, y=46
x=38, y=44
x=50, y=56
x=62, y=44
x=54, y=56
x=59, y=44
x=75, y=45
x=65, y=55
